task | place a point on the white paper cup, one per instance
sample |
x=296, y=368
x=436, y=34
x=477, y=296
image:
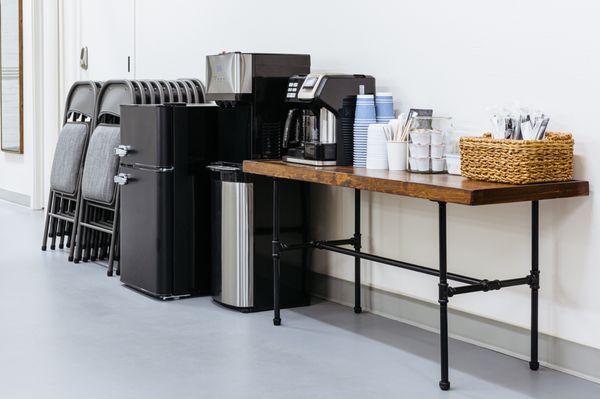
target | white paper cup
x=423, y=164
x=437, y=151
x=438, y=164
x=397, y=155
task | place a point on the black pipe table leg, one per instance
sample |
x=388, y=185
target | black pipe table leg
x=443, y=299
x=534, y=284
x=276, y=254
x=357, y=247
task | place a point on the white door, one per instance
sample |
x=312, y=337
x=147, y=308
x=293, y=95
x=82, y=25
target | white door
x=107, y=30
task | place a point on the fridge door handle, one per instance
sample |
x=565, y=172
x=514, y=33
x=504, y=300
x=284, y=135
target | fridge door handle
x=122, y=150
x=156, y=169
x=121, y=179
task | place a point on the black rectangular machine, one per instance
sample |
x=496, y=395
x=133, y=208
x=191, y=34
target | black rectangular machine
x=250, y=90
x=319, y=125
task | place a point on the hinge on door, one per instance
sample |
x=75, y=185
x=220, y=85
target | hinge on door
x=128, y=64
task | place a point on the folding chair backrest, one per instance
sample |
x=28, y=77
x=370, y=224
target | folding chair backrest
x=193, y=96
x=113, y=94
x=79, y=118
x=176, y=92
x=101, y=164
x=200, y=88
x=159, y=92
x=168, y=91
x=81, y=102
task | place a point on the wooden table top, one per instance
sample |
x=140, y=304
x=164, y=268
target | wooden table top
x=434, y=187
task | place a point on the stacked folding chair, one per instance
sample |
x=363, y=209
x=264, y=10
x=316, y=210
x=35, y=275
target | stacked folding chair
x=83, y=208
x=67, y=166
x=99, y=217
x=98, y=224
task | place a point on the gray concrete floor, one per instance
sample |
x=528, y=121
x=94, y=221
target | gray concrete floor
x=68, y=331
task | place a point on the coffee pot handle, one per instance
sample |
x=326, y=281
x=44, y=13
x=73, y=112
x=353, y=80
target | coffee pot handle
x=289, y=125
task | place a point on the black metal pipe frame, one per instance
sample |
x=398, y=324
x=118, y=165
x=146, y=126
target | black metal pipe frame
x=357, y=247
x=443, y=298
x=445, y=291
x=534, y=284
x=276, y=248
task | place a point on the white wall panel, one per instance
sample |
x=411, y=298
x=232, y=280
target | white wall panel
x=457, y=57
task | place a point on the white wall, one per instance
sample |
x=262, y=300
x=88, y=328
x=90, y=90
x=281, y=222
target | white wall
x=16, y=170
x=28, y=173
x=457, y=57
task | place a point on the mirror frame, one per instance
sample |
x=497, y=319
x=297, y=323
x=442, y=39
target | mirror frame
x=20, y=150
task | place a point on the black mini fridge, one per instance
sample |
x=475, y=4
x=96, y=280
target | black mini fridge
x=165, y=205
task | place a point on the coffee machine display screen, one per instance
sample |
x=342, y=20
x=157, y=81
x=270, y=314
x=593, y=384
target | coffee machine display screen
x=310, y=82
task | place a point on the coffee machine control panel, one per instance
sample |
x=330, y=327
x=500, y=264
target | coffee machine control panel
x=303, y=87
x=310, y=86
x=294, y=86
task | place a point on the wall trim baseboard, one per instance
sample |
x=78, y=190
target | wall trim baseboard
x=555, y=353
x=15, y=198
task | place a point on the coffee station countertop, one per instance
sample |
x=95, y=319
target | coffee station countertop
x=434, y=187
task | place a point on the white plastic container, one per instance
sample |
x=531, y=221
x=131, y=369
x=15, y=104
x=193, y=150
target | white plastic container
x=453, y=164
x=423, y=164
x=437, y=151
x=419, y=150
x=437, y=138
x=420, y=136
x=413, y=163
x=438, y=164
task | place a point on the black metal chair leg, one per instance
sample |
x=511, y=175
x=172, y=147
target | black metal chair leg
x=534, y=284
x=53, y=224
x=276, y=255
x=75, y=229
x=48, y=217
x=69, y=234
x=61, y=223
x=79, y=237
x=357, y=248
x=443, y=299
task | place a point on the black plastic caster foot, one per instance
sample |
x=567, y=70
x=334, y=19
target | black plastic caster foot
x=276, y=322
x=75, y=260
x=43, y=247
x=60, y=246
x=53, y=247
x=357, y=309
x=70, y=259
x=534, y=365
x=444, y=385
x=109, y=274
x=118, y=272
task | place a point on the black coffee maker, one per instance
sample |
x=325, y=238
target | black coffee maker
x=250, y=91
x=320, y=120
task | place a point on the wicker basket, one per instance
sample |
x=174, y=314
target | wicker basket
x=518, y=161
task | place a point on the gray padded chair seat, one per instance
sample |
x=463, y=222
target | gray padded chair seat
x=101, y=164
x=67, y=157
